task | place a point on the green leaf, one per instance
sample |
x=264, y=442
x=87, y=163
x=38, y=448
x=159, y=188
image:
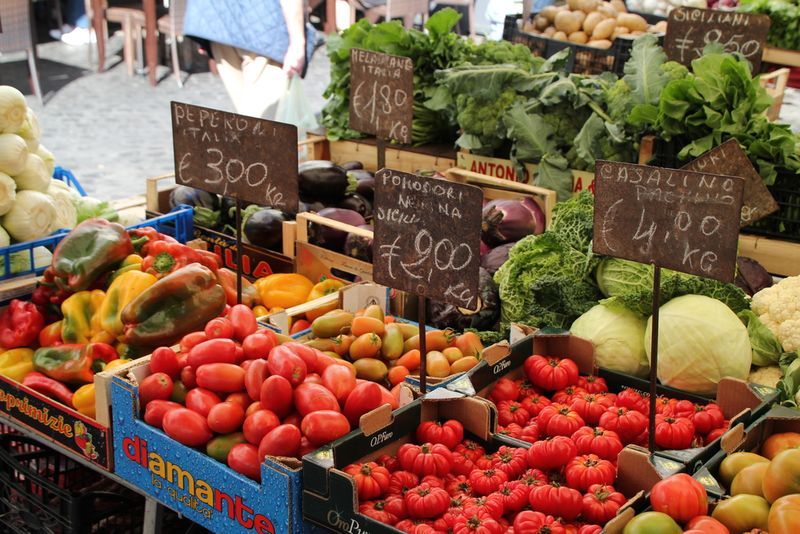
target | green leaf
x=553, y=173
x=643, y=72
x=531, y=133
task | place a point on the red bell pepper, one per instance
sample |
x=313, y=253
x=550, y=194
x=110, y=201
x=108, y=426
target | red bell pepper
x=50, y=335
x=20, y=324
x=48, y=386
x=143, y=238
x=164, y=257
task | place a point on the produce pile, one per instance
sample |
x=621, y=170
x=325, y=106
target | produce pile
x=784, y=29
x=32, y=203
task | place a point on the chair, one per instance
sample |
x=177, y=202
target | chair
x=392, y=9
x=171, y=25
x=18, y=35
x=127, y=17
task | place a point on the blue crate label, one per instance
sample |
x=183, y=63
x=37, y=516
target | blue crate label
x=71, y=430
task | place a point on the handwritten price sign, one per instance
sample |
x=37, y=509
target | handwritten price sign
x=678, y=219
x=427, y=237
x=690, y=30
x=246, y=158
x=381, y=94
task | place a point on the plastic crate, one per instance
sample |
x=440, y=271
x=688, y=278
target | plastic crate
x=43, y=491
x=177, y=223
x=68, y=178
x=583, y=59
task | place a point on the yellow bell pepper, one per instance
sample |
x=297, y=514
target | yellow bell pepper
x=124, y=289
x=78, y=311
x=260, y=311
x=283, y=290
x=83, y=400
x=16, y=363
x=116, y=363
x=326, y=287
x=132, y=262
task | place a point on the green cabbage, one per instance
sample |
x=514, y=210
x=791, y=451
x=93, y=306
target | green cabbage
x=618, y=337
x=767, y=349
x=700, y=341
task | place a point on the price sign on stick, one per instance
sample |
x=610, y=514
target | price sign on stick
x=729, y=159
x=427, y=237
x=381, y=94
x=690, y=30
x=249, y=159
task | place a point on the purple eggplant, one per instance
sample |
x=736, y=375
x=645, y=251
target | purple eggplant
x=366, y=188
x=357, y=203
x=359, y=247
x=332, y=238
x=352, y=165
x=511, y=220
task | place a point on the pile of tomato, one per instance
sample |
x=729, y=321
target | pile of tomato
x=240, y=394
x=445, y=483
x=554, y=401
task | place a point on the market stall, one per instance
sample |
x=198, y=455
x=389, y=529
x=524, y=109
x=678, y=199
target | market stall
x=546, y=284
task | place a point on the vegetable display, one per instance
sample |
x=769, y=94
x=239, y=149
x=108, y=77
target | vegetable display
x=784, y=28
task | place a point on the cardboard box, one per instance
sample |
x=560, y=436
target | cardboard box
x=194, y=484
x=746, y=439
x=257, y=262
x=740, y=402
x=504, y=169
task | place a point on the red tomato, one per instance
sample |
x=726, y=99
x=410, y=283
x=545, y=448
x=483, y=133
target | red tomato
x=530, y=432
x=587, y=470
x=157, y=386
x=186, y=427
x=551, y=453
x=674, y=432
x=299, y=326
x=243, y=320
x=241, y=398
x=255, y=375
x=219, y=328
x=504, y=389
x=293, y=419
x=225, y=417
x=512, y=430
x=680, y=408
x=550, y=373
x=450, y=433
x=188, y=377
x=276, y=395
x=339, y=380
x=477, y=524
x=601, y=503
x=565, y=396
x=313, y=378
x=224, y=377
x=425, y=459
x=707, y=418
x=191, y=340
x=305, y=447
x=387, y=397
x=365, y=397
x=556, y=500
x=212, y=351
x=156, y=409
x=591, y=406
x=604, y=443
x=243, y=458
x=284, y=362
x=510, y=411
x=402, y=481
x=254, y=407
x=490, y=505
x=308, y=354
x=472, y=449
x=257, y=346
x=426, y=501
x=372, y=480
x=324, y=426
x=633, y=400
x=511, y=460
x=258, y=424
x=310, y=397
x=530, y=522
x=377, y=511
x=558, y=420
x=535, y=403
x=164, y=360
x=323, y=362
x=515, y=496
x=707, y=525
x=486, y=481
x=593, y=384
x=628, y=424
x=680, y=496
x=283, y=440
x=590, y=529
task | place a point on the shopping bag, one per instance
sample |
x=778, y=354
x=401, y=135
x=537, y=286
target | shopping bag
x=293, y=107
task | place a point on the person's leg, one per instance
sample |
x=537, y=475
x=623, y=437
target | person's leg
x=76, y=16
x=264, y=85
x=229, y=68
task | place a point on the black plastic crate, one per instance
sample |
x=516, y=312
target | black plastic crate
x=42, y=491
x=583, y=59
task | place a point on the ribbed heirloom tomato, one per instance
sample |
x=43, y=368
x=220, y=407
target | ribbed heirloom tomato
x=514, y=494
x=377, y=511
x=535, y=403
x=509, y=411
x=426, y=501
x=679, y=496
x=511, y=460
x=450, y=433
x=551, y=453
x=593, y=384
x=565, y=396
x=425, y=459
x=550, y=373
x=486, y=481
x=585, y=471
x=491, y=505
x=707, y=418
x=477, y=524
x=604, y=443
x=372, y=480
x=674, y=432
x=628, y=424
x=402, y=481
x=556, y=500
x=558, y=420
x=504, y=389
x=601, y=503
x=591, y=406
x=529, y=522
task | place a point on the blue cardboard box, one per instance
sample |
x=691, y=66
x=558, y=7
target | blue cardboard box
x=194, y=484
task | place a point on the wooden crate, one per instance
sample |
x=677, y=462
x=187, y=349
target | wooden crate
x=400, y=158
x=315, y=261
x=774, y=83
x=497, y=188
x=781, y=56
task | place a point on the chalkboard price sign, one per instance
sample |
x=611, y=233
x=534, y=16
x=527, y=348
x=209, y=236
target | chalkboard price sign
x=681, y=220
x=729, y=158
x=381, y=94
x=250, y=159
x=691, y=29
x=427, y=237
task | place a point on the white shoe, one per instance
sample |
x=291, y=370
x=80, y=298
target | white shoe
x=57, y=33
x=79, y=36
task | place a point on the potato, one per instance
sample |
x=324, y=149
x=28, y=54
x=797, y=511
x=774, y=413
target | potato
x=574, y=5
x=578, y=37
x=587, y=6
x=528, y=26
x=604, y=29
x=619, y=30
x=560, y=36
x=619, y=5
x=580, y=15
x=592, y=20
x=567, y=22
x=599, y=43
x=607, y=10
x=540, y=22
x=549, y=13
x=637, y=33
x=632, y=22
x=659, y=27
x=549, y=31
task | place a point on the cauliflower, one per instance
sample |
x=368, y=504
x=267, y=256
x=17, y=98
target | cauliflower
x=778, y=307
x=766, y=376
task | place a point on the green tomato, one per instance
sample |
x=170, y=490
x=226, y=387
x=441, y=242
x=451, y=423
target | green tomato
x=742, y=513
x=652, y=523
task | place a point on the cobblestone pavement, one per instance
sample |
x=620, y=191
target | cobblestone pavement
x=112, y=130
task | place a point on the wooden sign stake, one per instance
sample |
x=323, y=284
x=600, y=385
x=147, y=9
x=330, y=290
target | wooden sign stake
x=381, y=153
x=422, y=303
x=238, y=251
x=651, y=438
